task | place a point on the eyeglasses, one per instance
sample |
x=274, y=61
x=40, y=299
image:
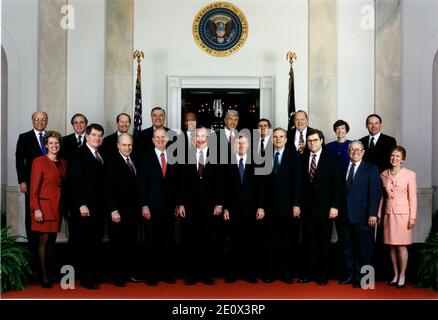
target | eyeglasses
x=312, y=140
x=355, y=150
x=40, y=119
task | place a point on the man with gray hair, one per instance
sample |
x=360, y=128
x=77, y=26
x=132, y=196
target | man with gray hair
x=29, y=146
x=359, y=213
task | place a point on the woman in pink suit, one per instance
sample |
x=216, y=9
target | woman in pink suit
x=399, y=205
x=47, y=176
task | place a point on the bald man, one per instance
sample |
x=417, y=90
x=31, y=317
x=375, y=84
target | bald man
x=29, y=146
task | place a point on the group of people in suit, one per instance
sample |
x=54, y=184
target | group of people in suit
x=262, y=200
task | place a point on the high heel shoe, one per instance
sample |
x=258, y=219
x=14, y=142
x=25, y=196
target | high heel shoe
x=401, y=286
x=392, y=283
x=47, y=284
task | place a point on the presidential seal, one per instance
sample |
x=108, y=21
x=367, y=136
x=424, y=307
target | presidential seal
x=220, y=29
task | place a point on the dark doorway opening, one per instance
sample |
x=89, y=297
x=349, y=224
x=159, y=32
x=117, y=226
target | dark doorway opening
x=211, y=105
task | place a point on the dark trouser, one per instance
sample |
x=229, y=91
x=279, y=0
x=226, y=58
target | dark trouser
x=282, y=245
x=317, y=238
x=242, y=248
x=124, y=247
x=90, y=234
x=382, y=261
x=158, y=246
x=199, y=243
x=358, y=244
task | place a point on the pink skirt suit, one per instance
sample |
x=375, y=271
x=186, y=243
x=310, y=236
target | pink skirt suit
x=399, y=204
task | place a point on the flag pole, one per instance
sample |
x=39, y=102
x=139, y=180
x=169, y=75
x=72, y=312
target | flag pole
x=138, y=100
x=291, y=56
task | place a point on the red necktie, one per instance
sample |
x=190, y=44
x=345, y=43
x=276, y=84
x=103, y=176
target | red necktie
x=163, y=164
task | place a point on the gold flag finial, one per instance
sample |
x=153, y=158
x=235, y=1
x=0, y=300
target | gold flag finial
x=291, y=56
x=138, y=55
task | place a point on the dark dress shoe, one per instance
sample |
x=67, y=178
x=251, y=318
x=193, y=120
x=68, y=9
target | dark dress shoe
x=135, y=279
x=169, y=280
x=304, y=280
x=250, y=279
x=230, y=279
x=90, y=285
x=208, y=281
x=288, y=280
x=356, y=285
x=151, y=282
x=347, y=280
x=322, y=282
x=268, y=280
x=190, y=282
x=119, y=283
x=47, y=284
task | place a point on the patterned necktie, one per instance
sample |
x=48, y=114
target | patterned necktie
x=372, y=144
x=312, y=167
x=42, y=146
x=201, y=164
x=276, y=163
x=350, y=176
x=262, y=147
x=241, y=170
x=130, y=165
x=301, y=141
x=163, y=164
x=79, y=141
x=98, y=157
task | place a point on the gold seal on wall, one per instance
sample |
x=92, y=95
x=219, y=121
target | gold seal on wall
x=220, y=29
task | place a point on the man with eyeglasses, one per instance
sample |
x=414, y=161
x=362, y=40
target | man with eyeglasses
x=70, y=143
x=321, y=202
x=360, y=207
x=29, y=146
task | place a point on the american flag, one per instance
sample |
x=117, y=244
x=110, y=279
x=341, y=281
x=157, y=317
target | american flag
x=291, y=96
x=138, y=105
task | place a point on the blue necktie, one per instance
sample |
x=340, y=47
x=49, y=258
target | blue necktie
x=276, y=163
x=43, y=147
x=241, y=169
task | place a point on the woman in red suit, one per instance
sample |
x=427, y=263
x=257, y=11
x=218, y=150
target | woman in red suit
x=47, y=176
x=399, y=205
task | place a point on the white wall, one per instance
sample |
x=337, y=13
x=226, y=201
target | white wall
x=19, y=40
x=163, y=30
x=420, y=44
x=86, y=62
x=355, y=67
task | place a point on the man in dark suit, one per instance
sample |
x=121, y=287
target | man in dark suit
x=282, y=205
x=143, y=142
x=377, y=145
x=321, y=202
x=122, y=201
x=224, y=137
x=297, y=136
x=29, y=146
x=201, y=201
x=359, y=212
x=158, y=181
x=186, y=139
x=110, y=143
x=377, y=150
x=87, y=175
x=243, y=210
x=262, y=141
x=71, y=143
